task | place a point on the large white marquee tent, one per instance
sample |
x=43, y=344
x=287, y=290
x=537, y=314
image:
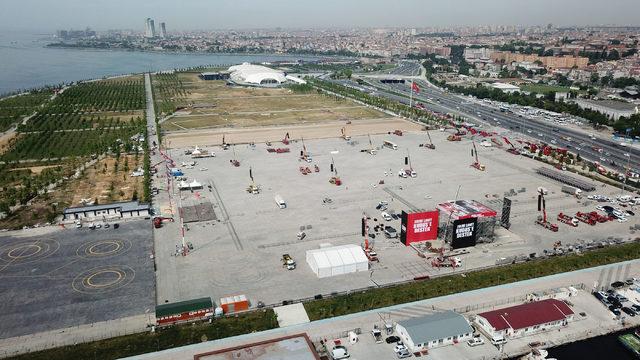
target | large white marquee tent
x=337, y=260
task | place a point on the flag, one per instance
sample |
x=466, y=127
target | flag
x=414, y=87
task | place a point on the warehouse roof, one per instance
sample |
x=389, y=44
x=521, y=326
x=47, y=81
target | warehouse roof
x=183, y=306
x=436, y=326
x=527, y=315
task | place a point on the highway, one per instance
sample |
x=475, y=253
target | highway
x=438, y=100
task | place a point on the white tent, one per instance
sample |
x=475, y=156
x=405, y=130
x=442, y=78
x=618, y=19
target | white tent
x=337, y=260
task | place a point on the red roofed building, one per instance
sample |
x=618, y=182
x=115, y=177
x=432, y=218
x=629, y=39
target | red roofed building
x=525, y=319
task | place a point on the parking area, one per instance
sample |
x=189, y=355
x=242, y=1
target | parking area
x=240, y=252
x=74, y=276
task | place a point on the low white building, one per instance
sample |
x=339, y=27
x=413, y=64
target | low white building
x=526, y=319
x=337, y=260
x=435, y=330
x=505, y=88
x=613, y=109
x=107, y=211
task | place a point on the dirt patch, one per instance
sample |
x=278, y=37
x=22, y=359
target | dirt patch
x=35, y=169
x=106, y=183
x=5, y=140
x=275, y=134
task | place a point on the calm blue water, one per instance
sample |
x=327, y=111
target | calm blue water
x=25, y=63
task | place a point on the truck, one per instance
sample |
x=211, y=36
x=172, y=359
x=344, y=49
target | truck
x=585, y=218
x=390, y=145
x=571, y=190
x=569, y=220
x=288, y=262
x=280, y=202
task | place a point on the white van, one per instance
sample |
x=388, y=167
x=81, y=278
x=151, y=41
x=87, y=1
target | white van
x=280, y=202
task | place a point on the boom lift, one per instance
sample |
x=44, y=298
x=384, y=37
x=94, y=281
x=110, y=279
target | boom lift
x=234, y=161
x=335, y=179
x=225, y=146
x=252, y=188
x=430, y=144
x=344, y=134
x=286, y=139
x=474, y=153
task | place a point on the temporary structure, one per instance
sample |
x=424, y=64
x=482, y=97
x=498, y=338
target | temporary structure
x=337, y=260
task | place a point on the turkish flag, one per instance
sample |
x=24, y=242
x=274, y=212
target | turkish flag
x=415, y=87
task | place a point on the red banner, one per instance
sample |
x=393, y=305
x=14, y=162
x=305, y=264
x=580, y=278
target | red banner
x=422, y=226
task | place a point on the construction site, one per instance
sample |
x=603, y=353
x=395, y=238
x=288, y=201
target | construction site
x=315, y=200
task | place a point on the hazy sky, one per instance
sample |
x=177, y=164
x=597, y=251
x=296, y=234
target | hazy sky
x=224, y=14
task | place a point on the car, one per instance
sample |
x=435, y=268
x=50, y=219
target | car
x=500, y=341
x=629, y=281
x=476, y=341
x=635, y=308
x=630, y=212
x=617, y=284
x=386, y=216
x=598, y=296
x=339, y=352
x=614, y=310
x=403, y=354
x=399, y=347
x=628, y=311
x=395, y=216
x=106, y=225
x=116, y=225
x=392, y=339
x=390, y=232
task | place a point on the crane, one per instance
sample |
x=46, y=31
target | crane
x=430, y=144
x=252, y=188
x=234, y=161
x=542, y=207
x=335, y=179
x=304, y=155
x=474, y=153
x=225, y=146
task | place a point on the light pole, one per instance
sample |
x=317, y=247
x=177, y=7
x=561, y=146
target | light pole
x=626, y=172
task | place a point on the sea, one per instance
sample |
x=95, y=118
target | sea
x=605, y=347
x=26, y=62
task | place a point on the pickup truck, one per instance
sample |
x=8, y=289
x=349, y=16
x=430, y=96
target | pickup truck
x=288, y=262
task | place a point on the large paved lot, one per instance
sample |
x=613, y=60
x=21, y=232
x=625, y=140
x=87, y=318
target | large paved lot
x=241, y=253
x=75, y=276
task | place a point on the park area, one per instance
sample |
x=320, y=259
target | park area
x=196, y=104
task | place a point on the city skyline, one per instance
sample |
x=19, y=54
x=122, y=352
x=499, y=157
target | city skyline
x=249, y=14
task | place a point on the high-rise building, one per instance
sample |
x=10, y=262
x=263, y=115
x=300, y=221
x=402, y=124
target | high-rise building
x=149, y=28
x=163, y=30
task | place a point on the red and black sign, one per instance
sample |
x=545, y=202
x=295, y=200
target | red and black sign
x=464, y=233
x=420, y=226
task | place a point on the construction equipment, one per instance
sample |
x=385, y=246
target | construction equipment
x=542, y=207
x=569, y=220
x=371, y=150
x=225, y=146
x=286, y=139
x=316, y=168
x=335, y=179
x=397, y=132
x=158, y=220
x=454, y=137
x=404, y=173
x=343, y=131
x=288, y=262
x=445, y=261
x=430, y=144
x=474, y=153
x=235, y=162
x=252, y=188
x=304, y=155
x=586, y=218
x=513, y=150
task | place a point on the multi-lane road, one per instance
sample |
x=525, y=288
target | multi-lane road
x=612, y=155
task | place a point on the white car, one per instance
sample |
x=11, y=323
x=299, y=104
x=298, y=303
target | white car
x=399, y=348
x=385, y=215
x=476, y=341
x=622, y=220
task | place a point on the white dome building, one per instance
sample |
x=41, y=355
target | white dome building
x=256, y=75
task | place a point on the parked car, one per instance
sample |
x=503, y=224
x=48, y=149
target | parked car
x=390, y=232
x=392, y=339
x=116, y=225
x=617, y=284
x=339, y=352
x=476, y=341
x=399, y=347
x=403, y=354
x=386, y=216
x=497, y=342
x=614, y=310
x=628, y=311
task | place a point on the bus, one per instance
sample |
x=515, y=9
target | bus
x=390, y=145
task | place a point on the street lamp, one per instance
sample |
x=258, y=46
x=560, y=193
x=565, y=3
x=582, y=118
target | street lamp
x=624, y=184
